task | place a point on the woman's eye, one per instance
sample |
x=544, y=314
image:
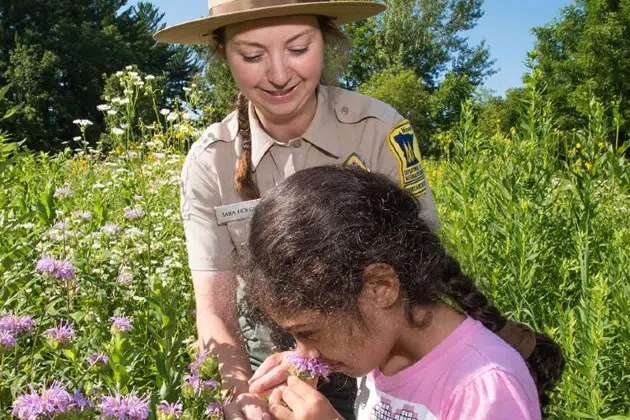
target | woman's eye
x=298, y=51
x=251, y=58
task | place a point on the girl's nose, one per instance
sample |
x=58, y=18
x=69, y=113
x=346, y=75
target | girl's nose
x=305, y=350
x=278, y=73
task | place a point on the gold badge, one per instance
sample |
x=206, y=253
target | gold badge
x=355, y=160
x=403, y=144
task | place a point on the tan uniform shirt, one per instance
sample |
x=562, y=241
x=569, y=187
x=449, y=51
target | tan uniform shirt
x=347, y=128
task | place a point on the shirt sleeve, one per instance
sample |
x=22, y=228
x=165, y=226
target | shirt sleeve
x=494, y=395
x=400, y=159
x=209, y=245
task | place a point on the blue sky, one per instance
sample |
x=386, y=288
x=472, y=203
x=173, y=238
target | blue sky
x=506, y=27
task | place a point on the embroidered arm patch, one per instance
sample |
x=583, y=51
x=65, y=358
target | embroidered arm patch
x=355, y=160
x=404, y=145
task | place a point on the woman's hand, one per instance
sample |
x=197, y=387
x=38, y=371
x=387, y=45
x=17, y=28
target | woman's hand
x=273, y=372
x=247, y=407
x=301, y=402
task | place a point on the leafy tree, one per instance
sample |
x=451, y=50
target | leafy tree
x=426, y=37
x=56, y=52
x=585, y=53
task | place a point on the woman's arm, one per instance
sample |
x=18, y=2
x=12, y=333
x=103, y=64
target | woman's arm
x=219, y=331
x=218, y=328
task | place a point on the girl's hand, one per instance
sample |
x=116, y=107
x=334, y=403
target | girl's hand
x=273, y=372
x=303, y=401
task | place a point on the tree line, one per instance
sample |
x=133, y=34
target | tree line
x=56, y=58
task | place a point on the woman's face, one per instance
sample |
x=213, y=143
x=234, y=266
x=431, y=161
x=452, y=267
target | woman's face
x=276, y=63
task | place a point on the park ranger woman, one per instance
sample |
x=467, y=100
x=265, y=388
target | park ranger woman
x=286, y=120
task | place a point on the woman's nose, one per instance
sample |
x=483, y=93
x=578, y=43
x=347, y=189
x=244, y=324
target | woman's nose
x=278, y=73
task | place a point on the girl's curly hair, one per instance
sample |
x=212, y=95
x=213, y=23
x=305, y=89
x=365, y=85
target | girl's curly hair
x=312, y=236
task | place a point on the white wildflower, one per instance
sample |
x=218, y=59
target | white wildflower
x=149, y=77
x=104, y=107
x=172, y=116
x=118, y=131
x=165, y=111
x=124, y=101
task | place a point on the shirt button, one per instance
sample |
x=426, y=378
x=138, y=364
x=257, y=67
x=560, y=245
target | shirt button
x=345, y=110
x=296, y=143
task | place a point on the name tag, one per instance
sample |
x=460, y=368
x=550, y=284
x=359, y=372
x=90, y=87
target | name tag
x=236, y=211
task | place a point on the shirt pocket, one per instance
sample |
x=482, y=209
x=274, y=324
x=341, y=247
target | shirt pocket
x=239, y=229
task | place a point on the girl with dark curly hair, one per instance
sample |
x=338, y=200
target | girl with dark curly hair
x=342, y=260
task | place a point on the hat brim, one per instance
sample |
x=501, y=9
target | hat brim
x=199, y=31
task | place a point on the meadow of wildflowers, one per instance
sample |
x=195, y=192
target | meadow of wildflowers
x=96, y=304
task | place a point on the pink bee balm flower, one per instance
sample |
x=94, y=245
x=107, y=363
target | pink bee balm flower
x=7, y=341
x=135, y=213
x=64, y=270
x=64, y=191
x=169, y=411
x=46, y=265
x=214, y=411
x=121, y=324
x=129, y=407
x=16, y=325
x=60, y=336
x=306, y=368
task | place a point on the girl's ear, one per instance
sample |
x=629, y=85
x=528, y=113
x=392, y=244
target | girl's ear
x=381, y=285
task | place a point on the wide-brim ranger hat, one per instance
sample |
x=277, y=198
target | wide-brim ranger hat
x=227, y=12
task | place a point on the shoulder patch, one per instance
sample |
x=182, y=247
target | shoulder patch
x=355, y=160
x=404, y=145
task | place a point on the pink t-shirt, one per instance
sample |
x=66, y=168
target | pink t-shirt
x=473, y=374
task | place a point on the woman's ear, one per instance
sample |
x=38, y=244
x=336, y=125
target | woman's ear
x=381, y=285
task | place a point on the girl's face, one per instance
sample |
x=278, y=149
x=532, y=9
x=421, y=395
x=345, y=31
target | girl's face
x=347, y=344
x=277, y=63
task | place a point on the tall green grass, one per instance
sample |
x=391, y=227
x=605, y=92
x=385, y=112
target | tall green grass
x=541, y=219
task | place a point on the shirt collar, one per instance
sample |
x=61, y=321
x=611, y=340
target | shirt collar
x=321, y=132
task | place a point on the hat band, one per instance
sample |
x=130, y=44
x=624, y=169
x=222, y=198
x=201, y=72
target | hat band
x=244, y=5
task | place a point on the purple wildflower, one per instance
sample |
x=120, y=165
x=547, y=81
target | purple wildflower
x=196, y=365
x=214, y=410
x=53, y=401
x=63, y=225
x=64, y=270
x=16, y=325
x=60, y=336
x=80, y=403
x=124, y=277
x=98, y=358
x=134, y=213
x=7, y=341
x=28, y=406
x=81, y=214
x=306, y=368
x=111, y=228
x=121, y=324
x=194, y=386
x=46, y=265
x=64, y=191
x=25, y=323
x=169, y=411
x=128, y=407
